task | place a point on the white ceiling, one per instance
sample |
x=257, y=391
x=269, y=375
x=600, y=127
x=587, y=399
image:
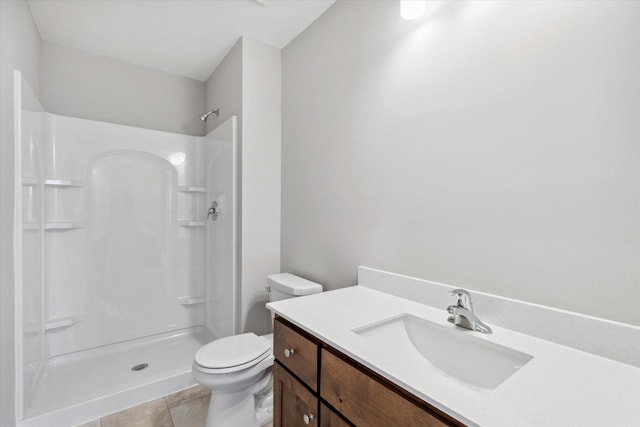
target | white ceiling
x=185, y=37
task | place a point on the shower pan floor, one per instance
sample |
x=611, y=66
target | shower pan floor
x=95, y=375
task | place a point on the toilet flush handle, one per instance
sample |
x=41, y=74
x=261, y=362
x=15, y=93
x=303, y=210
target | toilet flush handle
x=288, y=352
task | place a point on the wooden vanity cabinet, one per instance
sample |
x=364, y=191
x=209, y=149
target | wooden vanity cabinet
x=295, y=376
x=317, y=385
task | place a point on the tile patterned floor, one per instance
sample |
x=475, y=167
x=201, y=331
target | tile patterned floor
x=186, y=408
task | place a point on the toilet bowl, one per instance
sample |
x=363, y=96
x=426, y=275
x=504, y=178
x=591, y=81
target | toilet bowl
x=238, y=368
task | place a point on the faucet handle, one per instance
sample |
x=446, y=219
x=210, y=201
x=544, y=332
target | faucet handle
x=463, y=299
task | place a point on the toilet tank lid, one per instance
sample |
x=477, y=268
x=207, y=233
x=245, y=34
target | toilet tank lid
x=292, y=284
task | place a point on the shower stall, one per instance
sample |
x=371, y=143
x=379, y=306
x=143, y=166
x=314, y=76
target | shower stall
x=121, y=274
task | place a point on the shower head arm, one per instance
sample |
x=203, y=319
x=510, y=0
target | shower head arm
x=206, y=115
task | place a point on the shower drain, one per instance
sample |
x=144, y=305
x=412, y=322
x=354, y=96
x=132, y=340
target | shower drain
x=139, y=366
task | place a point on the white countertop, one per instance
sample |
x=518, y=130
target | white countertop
x=560, y=386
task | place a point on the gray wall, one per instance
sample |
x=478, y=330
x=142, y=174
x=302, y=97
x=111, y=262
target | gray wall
x=20, y=47
x=490, y=145
x=80, y=84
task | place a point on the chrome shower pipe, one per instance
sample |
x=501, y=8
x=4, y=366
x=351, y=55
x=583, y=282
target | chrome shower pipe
x=206, y=115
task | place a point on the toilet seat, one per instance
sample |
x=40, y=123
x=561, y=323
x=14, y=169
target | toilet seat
x=233, y=353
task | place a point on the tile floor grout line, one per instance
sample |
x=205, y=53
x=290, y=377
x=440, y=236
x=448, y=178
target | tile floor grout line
x=166, y=405
x=169, y=409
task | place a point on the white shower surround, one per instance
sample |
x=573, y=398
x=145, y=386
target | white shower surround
x=115, y=255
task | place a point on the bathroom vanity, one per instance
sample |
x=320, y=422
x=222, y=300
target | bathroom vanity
x=359, y=356
x=316, y=384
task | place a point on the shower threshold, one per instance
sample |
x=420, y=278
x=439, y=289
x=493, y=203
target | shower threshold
x=82, y=386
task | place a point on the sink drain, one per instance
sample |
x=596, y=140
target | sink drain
x=139, y=366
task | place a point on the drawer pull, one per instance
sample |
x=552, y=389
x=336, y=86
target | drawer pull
x=307, y=418
x=288, y=352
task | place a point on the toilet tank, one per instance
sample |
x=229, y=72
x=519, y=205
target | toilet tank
x=286, y=285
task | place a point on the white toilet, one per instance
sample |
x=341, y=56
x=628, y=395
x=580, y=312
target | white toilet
x=238, y=368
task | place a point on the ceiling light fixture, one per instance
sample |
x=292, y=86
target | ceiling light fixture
x=412, y=9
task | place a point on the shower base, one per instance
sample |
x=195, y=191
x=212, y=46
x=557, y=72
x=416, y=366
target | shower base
x=79, y=387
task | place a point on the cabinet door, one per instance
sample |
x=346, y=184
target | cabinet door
x=328, y=418
x=293, y=405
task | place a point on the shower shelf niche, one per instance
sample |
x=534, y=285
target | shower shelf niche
x=62, y=225
x=191, y=223
x=62, y=322
x=50, y=226
x=190, y=189
x=190, y=205
x=54, y=182
x=31, y=328
x=27, y=180
x=191, y=300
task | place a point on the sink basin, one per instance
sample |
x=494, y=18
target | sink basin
x=449, y=350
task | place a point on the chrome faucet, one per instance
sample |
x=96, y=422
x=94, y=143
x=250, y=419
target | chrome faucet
x=462, y=313
x=214, y=211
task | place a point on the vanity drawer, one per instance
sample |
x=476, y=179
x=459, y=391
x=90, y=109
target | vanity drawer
x=296, y=351
x=365, y=400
